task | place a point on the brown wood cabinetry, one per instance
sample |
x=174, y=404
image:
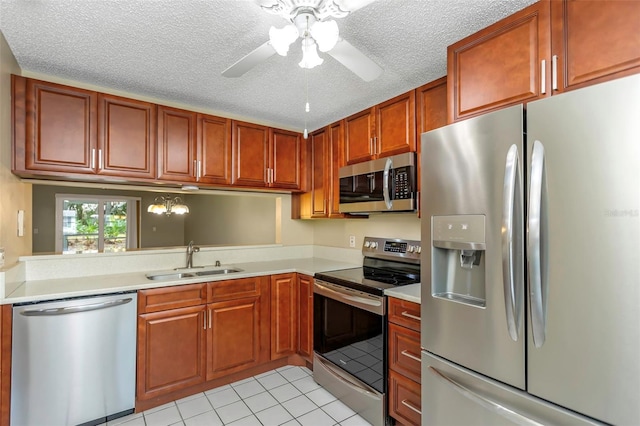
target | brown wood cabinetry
x=501, y=64
x=264, y=157
x=383, y=130
x=55, y=128
x=548, y=47
x=126, y=137
x=305, y=323
x=177, y=144
x=404, y=361
x=284, y=315
x=594, y=41
x=214, y=150
x=238, y=325
x=171, y=339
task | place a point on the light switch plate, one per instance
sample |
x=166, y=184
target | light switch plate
x=1, y=257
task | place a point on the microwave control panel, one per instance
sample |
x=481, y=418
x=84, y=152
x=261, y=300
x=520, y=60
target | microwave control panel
x=402, y=183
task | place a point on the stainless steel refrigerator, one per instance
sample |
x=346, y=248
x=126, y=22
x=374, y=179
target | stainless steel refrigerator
x=531, y=263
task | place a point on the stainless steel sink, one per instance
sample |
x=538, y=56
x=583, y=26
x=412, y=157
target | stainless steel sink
x=218, y=271
x=168, y=276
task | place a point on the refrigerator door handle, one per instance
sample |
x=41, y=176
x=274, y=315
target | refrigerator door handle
x=484, y=401
x=536, y=253
x=512, y=263
x=385, y=186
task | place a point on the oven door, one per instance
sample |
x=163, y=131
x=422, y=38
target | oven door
x=350, y=332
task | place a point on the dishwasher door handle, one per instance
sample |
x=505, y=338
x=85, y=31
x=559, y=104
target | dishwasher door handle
x=75, y=309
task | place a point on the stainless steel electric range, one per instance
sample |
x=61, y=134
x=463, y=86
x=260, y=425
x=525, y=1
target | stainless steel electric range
x=350, y=324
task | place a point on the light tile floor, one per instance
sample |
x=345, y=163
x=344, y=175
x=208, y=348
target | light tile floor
x=285, y=396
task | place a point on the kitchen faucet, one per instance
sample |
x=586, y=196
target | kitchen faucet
x=190, y=250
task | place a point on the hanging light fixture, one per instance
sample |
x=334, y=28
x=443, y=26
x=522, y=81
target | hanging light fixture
x=316, y=34
x=168, y=205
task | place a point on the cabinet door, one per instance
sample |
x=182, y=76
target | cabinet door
x=284, y=315
x=171, y=351
x=60, y=127
x=500, y=65
x=319, y=159
x=404, y=400
x=285, y=159
x=214, y=150
x=305, y=324
x=334, y=162
x=177, y=144
x=126, y=137
x=594, y=41
x=396, y=125
x=358, y=143
x=234, y=336
x=250, y=143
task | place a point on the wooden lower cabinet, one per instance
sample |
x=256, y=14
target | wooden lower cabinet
x=404, y=361
x=284, y=315
x=305, y=322
x=170, y=350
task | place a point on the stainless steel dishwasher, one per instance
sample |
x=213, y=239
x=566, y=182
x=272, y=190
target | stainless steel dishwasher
x=74, y=360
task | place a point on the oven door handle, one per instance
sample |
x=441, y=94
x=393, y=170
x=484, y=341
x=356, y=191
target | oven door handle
x=375, y=306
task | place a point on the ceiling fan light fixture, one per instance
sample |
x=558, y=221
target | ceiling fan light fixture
x=310, y=56
x=281, y=38
x=326, y=34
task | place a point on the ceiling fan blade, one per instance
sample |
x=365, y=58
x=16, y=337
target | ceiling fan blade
x=355, y=60
x=260, y=54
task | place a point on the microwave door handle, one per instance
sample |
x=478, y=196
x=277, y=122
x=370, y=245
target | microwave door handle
x=385, y=186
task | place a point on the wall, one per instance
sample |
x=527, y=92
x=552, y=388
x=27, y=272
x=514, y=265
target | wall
x=14, y=195
x=336, y=232
x=234, y=219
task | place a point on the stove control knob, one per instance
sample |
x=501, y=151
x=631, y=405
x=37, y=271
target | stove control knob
x=419, y=249
x=374, y=244
x=367, y=244
x=411, y=249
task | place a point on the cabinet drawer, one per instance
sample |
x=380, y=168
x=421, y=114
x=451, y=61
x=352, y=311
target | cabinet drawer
x=235, y=289
x=404, y=313
x=404, y=399
x=181, y=296
x=404, y=351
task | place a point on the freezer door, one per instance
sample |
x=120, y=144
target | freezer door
x=584, y=250
x=472, y=264
x=452, y=395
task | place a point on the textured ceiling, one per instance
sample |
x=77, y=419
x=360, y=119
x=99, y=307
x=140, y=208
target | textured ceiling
x=175, y=50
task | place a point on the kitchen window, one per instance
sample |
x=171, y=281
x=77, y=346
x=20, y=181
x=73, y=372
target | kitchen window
x=94, y=223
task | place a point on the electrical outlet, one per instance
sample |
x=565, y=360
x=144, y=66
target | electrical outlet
x=1, y=257
x=352, y=240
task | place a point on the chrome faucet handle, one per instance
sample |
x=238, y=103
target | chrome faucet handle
x=217, y=263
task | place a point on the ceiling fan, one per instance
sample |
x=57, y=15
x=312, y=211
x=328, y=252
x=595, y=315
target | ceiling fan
x=310, y=21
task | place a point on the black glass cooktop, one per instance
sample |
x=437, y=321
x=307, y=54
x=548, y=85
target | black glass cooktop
x=374, y=276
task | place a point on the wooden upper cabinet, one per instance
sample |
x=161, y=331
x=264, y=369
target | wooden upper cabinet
x=319, y=157
x=395, y=125
x=55, y=128
x=594, y=41
x=358, y=139
x=386, y=129
x=126, y=137
x=250, y=147
x=214, y=150
x=285, y=157
x=500, y=65
x=284, y=315
x=335, y=161
x=177, y=144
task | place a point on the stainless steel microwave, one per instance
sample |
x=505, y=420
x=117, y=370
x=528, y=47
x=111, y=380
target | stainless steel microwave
x=382, y=185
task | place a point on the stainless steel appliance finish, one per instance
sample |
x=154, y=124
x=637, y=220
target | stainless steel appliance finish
x=350, y=342
x=542, y=300
x=74, y=360
x=382, y=185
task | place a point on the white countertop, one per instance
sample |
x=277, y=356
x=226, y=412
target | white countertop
x=39, y=290
x=409, y=292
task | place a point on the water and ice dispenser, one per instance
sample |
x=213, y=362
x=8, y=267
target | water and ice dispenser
x=458, y=258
